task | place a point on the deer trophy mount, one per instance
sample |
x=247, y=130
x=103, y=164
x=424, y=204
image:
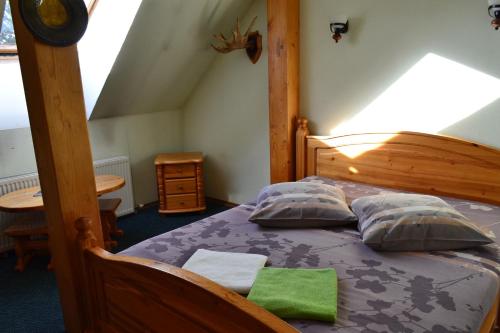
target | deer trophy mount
x=251, y=41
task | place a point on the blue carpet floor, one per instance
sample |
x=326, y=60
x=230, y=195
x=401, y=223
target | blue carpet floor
x=29, y=301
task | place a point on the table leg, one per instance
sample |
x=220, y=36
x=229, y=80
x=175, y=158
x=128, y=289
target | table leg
x=22, y=256
x=106, y=231
x=115, y=231
x=50, y=265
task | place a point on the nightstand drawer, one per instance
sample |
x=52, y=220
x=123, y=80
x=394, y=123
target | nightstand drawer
x=180, y=186
x=179, y=177
x=178, y=171
x=181, y=201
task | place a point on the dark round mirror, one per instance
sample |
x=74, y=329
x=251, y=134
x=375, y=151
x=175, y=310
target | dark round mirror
x=55, y=22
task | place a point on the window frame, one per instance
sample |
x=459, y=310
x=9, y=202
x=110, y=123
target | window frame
x=12, y=51
x=2, y=11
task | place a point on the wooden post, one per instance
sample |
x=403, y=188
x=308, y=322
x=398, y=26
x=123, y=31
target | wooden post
x=301, y=148
x=54, y=95
x=283, y=35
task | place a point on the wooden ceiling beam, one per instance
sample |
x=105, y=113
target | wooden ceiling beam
x=283, y=36
x=54, y=96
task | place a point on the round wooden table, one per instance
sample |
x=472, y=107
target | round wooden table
x=30, y=199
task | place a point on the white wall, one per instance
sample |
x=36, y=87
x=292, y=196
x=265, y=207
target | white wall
x=13, y=110
x=388, y=38
x=227, y=116
x=227, y=119
x=140, y=137
x=17, y=156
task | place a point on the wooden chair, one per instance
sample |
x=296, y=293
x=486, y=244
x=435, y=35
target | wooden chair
x=107, y=210
x=30, y=236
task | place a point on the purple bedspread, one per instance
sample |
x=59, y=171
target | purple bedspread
x=379, y=292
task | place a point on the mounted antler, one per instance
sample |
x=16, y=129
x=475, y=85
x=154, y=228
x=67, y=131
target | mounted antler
x=239, y=41
x=251, y=41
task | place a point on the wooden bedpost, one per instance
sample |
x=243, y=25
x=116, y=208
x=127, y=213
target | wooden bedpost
x=54, y=96
x=301, y=148
x=86, y=240
x=283, y=38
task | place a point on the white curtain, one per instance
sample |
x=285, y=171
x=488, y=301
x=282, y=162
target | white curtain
x=2, y=9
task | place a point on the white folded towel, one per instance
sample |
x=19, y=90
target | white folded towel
x=235, y=271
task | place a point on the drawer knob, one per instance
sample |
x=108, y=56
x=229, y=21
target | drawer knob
x=179, y=170
x=181, y=203
x=180, y=187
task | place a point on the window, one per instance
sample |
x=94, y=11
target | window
x=7, y=36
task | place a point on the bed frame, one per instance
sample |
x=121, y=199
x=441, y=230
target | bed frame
x=126, y=294
x=417, y=162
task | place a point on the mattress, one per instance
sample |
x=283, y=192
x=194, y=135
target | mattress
x=414, y=292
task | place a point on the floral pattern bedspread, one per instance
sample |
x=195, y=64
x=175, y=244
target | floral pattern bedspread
x=379, y=292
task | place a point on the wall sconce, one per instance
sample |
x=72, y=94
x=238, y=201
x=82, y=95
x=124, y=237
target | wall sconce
x=494, y=11
x=340, y=26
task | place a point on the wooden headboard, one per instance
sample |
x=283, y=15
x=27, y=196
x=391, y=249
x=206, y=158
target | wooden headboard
x=417, y=162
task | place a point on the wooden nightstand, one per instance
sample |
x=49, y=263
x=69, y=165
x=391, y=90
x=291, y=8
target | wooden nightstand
x=179, y=178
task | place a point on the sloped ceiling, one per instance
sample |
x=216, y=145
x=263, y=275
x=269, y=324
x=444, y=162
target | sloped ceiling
x=165, y=54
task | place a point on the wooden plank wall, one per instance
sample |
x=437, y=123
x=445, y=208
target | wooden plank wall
x=283, y=35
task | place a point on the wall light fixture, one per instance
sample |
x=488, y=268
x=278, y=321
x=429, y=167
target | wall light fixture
x=340, y=26
x=494, y=11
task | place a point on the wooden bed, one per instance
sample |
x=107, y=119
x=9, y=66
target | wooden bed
x=418, y=162
x=159, y=296
x=102, y=292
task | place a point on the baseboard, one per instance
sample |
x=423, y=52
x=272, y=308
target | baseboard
x=125, y=212
x=221, y=202
x=208, y=199
x=146, y=206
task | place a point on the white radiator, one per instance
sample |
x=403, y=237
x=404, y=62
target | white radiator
x=119, y=166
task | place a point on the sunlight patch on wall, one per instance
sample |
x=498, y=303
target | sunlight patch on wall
x=108, y=27
x=433, y=95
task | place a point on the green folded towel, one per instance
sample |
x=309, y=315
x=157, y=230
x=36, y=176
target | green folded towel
x=297, y=293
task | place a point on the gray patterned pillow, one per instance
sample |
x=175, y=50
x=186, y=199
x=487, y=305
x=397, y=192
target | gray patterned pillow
x=301, y=205
x=414, y=222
